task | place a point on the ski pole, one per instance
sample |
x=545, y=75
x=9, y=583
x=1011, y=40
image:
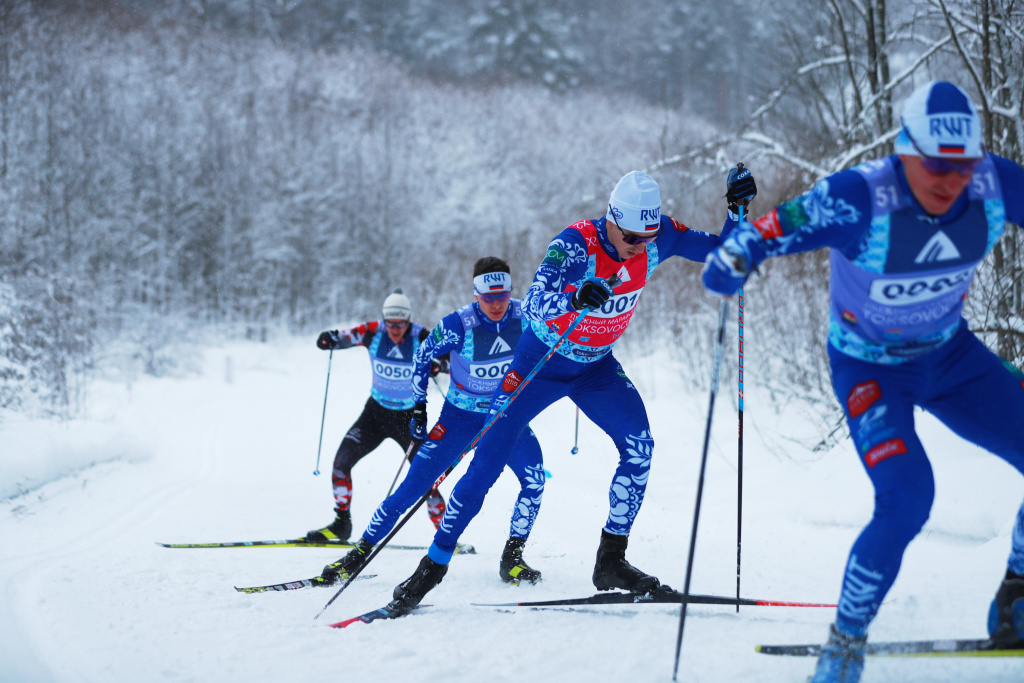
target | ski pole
x=316, y=470
x=612, y=282
x=409, y=453
x=739, y=461
x=723, y=313
x=576, y=441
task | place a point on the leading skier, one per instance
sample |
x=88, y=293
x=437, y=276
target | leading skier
x=906, y=234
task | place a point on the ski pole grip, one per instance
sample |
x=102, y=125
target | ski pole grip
x=613, y=281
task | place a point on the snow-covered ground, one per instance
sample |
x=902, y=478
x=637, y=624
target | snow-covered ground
x=229, y=455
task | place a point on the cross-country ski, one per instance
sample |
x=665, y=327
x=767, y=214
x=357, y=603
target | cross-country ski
x=909, y=648
x=315, y=582
x=659, y=596
x=463, y=549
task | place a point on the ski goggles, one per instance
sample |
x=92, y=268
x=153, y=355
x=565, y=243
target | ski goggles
x=395, y=324
x=633, y=239
x=492, y=298
x=944, y=165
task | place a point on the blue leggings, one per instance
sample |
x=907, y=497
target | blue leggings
x=972, y=392
x=604, y=393
x=454, y=430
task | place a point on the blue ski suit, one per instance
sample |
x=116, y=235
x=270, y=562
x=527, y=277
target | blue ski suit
x=897, y=339
x=480, y=351
x=583, y=369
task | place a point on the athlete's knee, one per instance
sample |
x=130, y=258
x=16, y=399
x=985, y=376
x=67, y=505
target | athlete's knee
x=636, y=449
x=905, y=509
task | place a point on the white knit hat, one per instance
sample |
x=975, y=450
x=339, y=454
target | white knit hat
x=635, y=204
x=939, y=120
x=397, y=306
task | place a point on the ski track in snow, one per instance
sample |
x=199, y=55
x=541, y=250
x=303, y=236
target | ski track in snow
x=88, y=596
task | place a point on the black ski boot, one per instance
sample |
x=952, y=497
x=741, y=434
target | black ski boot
x=410, y=592
x=343, y=568
x=337, y=531
x=513, y=568
x=612, y=570
x=1006, y=615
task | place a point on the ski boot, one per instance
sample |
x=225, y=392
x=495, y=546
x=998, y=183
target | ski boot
x=337, y=531
x=1006, y=615
x=513, y=568
x=842, y=658
x=612, y=570
x=346, y=566
x=410, y=592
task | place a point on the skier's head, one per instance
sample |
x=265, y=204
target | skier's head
x=492, y=286
x=634, y=213
x=396, y=311
x=939, y=144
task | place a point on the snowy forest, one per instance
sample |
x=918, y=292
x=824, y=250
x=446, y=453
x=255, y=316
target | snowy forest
x=180, y=170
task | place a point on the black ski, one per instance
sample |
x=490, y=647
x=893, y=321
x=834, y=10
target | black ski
x=461, y=549
x=662, y=595
x=296, y=585
x=383, y=613
x=909, y=648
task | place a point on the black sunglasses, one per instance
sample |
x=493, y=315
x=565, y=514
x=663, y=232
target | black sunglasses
x=633, y=239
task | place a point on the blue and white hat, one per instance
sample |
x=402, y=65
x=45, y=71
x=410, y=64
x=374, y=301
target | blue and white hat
x=939, y=120
x=635, y=204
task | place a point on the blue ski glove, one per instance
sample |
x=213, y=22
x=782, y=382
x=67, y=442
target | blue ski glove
x=725, y=271
x=593, y=293
x=418, y=423
x=740, y=187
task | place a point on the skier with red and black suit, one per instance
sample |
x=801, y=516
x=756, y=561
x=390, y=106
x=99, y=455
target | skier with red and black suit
x=391, y=342
x=630, y=241
x=480, y=340
x=906, y=233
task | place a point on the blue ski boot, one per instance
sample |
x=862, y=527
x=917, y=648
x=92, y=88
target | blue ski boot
x=1006, y=615
x=842, y=658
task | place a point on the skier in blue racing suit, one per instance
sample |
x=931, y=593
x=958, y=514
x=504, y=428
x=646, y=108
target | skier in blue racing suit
x=906, y=234
x=629, y=242
x=480, y=340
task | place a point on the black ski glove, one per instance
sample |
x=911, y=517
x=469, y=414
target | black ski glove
x=328, y=340
x=593, y=293
x=439, y=365
x=740, y=187
x=418, y=423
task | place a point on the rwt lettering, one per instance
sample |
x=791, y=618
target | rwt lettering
x=956, y=126
x=493, y=277
x=650, y=214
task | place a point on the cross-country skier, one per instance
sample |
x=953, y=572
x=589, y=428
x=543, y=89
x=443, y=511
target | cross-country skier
x=906, y=233
x=391, y=343
x=480, y=339
x=630, y=241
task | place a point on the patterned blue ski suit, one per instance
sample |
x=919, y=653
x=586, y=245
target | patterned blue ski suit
x=480, y=351
x=897, y=339
x=584, y=369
